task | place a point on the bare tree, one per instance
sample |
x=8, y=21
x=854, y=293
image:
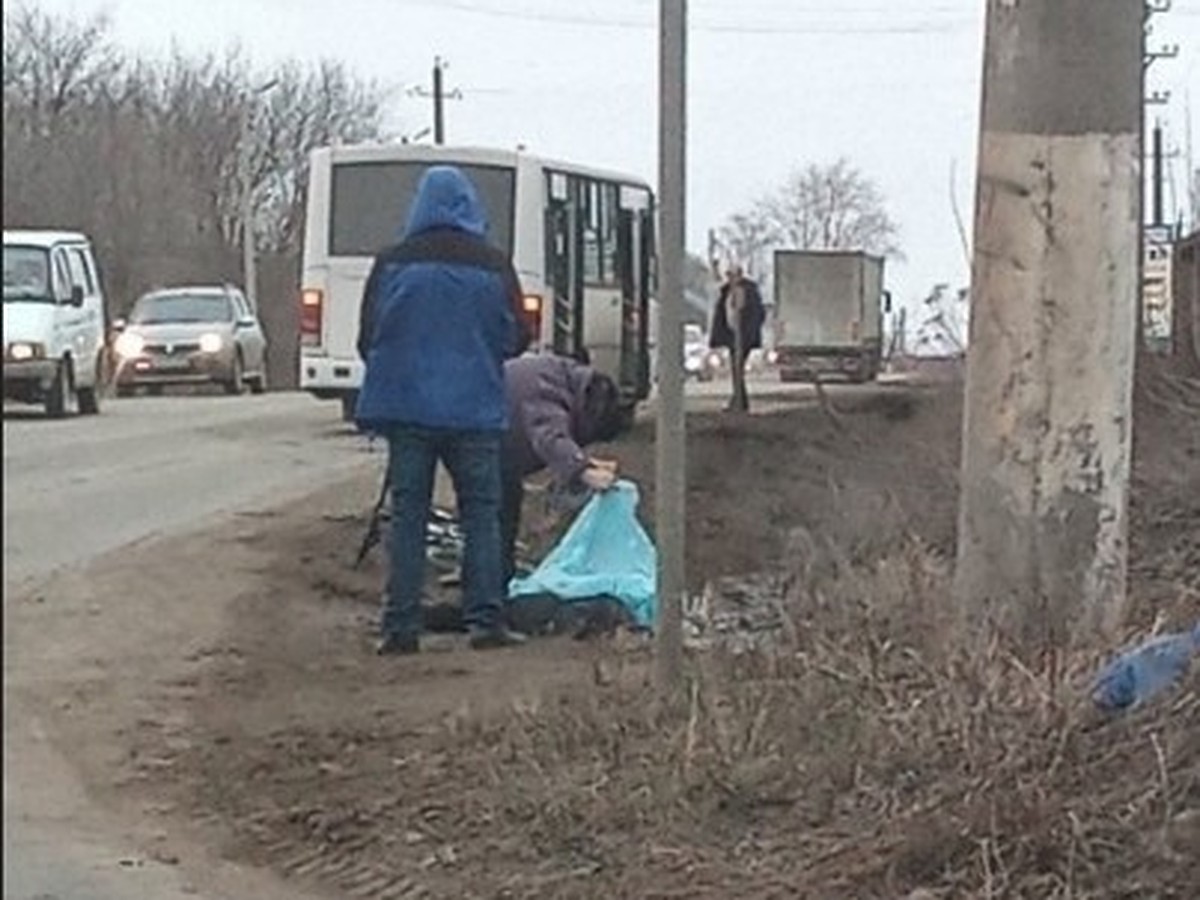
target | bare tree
x=819, y=207
x=747, y=238
x=53, y=63
x=145, y=155
x=830, y=207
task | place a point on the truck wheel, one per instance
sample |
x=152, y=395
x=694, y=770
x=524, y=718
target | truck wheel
x=58, y=399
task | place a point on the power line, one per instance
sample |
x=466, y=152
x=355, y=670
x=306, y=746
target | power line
x=560, y=18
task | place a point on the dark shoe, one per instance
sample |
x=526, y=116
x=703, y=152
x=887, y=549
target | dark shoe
x=396, y=645
x=496, y=639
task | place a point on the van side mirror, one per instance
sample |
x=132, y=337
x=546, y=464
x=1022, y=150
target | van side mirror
x=76, y=295
x=244, y=323
x=887, y=302
x=119, y=324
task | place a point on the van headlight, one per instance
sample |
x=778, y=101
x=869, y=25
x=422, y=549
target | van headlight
x=210, y=343
x=130, y=345
x=24, y=350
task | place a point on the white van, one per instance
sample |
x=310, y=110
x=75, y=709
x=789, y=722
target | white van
x=54, y=322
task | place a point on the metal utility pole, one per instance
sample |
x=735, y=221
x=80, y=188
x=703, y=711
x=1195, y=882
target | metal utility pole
x=670, y=438
x=1046, y=449
x=1157, y=209
x=439, y=120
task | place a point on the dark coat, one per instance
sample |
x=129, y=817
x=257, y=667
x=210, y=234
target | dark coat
x=440, y=315
x=754, y=315
x=547, y=398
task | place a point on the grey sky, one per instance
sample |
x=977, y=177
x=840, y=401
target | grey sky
x=891, y=84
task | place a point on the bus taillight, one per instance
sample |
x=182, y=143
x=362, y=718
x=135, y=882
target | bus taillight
x=531, y=308
x=311, y=308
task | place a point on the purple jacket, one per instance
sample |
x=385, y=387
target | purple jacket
x=546, y=429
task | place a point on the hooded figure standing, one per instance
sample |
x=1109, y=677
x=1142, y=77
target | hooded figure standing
x=737, y=326
x=440, y=315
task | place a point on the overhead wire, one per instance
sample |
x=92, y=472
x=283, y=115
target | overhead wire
x=919, y=27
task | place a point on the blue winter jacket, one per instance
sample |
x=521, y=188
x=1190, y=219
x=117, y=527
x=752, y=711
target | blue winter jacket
x=440, y=315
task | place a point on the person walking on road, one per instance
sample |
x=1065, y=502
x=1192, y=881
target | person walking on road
x=737, y=327
x=556, y=408
x=440, y=315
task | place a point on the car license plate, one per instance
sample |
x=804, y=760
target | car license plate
x=172, y=365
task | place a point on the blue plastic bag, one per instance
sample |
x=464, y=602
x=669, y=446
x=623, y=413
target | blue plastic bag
x=605, y=552
x=1140, y=674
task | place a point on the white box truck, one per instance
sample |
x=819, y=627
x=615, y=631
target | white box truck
x=829, y=308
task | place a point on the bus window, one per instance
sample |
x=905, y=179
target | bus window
x=610, y=221
x=369, y=203
x=592, y=261
x=600, y=216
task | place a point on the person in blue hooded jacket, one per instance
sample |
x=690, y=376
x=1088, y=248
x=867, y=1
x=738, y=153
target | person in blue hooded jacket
x=440, y=315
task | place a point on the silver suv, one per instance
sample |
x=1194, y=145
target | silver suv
x=191, y=335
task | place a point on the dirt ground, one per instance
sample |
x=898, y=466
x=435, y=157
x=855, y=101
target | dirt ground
x=288, y=744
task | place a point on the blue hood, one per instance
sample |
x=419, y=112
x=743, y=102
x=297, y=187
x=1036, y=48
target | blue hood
x=446, y=198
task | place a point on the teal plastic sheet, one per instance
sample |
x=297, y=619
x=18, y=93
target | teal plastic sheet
x=605, y=553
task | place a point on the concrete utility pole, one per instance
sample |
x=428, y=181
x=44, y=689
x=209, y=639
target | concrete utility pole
x=249, y=250
x=670, y=438
x=1046, y=451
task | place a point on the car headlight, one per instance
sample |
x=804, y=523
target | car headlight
x=130, y=344
x=19, y=352
x=210, y=343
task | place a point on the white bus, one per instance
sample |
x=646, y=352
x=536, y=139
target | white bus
x=581, y=240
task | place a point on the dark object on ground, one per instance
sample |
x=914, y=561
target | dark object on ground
x=442, y=618
x=497, y=639
x=399, y=646
x=539, y=616
x=545, y=614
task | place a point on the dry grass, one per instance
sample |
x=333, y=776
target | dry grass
x=871, y=752
x=873, y=757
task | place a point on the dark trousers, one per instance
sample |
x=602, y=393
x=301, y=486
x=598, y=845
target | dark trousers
x=473, y=460
x=511, y=500
x=738, y=358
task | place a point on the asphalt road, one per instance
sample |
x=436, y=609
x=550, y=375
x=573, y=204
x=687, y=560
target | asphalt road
x=79, y=488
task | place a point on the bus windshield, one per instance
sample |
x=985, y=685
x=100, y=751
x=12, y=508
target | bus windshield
x=369, y=203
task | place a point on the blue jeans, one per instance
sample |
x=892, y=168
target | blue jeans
x=473, y=460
